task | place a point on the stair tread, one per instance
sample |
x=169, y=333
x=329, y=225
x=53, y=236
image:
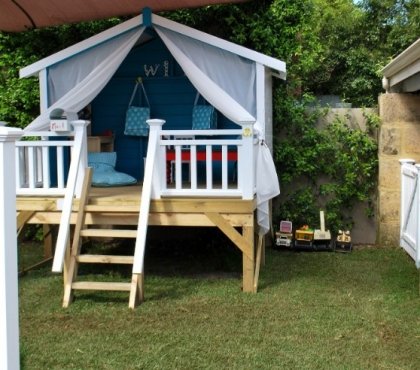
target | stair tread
x=111, y=208
x=109, y=233
x=104, y=258
x=99, y=285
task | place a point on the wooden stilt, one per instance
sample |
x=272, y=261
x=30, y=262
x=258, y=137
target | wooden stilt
x=260, y=248
x=136, y=290
x=248, y=261
x=48, y=240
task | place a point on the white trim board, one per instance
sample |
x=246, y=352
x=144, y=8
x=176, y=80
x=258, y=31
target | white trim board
x=81, y=46
x=268, y=61
x=275, y=64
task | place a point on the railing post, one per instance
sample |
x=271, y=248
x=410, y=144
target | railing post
x=159, y=170
x=150, y=184
x=9, y=312
x=80, y=135
x=403, y=201
x=417, y=199
x=246, y=160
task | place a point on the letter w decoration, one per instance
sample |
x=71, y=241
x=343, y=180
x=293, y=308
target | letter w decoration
x=150, y=69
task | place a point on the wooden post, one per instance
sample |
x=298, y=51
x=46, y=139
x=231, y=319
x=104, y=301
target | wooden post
x=9, y=307
x=48, y=241
x=248, y=262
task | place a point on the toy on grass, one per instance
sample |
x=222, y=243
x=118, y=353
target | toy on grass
x=343, y=242
x=322, y=237
x=284, y=236
x=304, y=237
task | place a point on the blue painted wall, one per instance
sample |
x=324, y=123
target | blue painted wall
x=170, y=93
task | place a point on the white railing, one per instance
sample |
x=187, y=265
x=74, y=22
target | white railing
x=36, y=161
x=410, y=209
x=43, y=163
x=207, y=163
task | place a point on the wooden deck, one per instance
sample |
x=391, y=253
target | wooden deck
x=120, y=206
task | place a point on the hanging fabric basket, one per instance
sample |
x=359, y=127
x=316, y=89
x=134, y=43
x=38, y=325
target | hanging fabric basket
x=204, y=117
x=136, y=116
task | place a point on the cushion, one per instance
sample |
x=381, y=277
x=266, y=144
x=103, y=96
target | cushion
x=103, y=157
x=104, y=174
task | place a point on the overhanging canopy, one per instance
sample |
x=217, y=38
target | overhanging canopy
x=21, y=15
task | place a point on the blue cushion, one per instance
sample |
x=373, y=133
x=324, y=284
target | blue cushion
x=103, y=157
x=104, y=174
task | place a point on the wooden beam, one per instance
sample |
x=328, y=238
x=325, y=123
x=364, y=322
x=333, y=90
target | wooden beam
x=35, y=204
x=155, y=219
x=21, y=219
x=48, y=240
x=260, y=249
x=241, y=242
x=248, y=262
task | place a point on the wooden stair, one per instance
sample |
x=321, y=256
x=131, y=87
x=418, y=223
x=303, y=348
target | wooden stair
x=135, y=287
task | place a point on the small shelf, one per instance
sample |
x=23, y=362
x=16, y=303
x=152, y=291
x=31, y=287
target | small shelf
x=100, y=143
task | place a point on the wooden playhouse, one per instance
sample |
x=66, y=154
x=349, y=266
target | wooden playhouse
x=221, y=176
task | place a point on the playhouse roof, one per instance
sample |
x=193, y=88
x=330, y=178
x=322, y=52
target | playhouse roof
x=220, y=70
x=402, y=74
x=27, y=14
x=278, y=66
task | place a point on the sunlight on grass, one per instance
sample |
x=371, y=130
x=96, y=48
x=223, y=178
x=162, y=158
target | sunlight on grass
x=313, y=311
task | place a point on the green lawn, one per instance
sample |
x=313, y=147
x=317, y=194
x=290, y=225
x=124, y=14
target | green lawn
x=318, y=310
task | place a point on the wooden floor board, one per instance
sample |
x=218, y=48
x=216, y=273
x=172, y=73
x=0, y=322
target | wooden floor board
x=120, y=205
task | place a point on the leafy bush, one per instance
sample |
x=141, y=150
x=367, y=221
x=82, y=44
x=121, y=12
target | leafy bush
x=332, y=168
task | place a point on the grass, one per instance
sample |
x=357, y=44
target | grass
x=313, y=311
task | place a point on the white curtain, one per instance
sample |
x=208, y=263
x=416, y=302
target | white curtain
x=91, y=82
x=234, y=74
x=209, y=89
x=216, y=93
x=267, y=185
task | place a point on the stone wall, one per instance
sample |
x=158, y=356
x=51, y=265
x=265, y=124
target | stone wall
x=365, y=228
x=399, y=138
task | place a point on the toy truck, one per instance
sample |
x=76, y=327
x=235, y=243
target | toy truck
x=322, y=237
x=343, y=242
x=304, y=238
x=284, y=236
